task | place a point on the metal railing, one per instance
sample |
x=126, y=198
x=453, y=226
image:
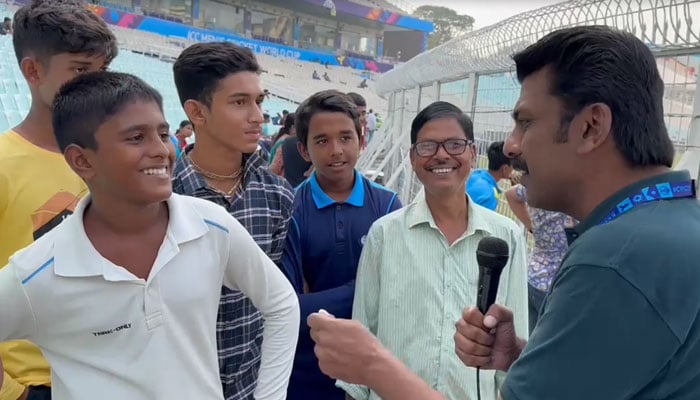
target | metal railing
x=476, y=73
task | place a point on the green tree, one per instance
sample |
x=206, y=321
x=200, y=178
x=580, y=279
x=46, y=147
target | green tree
x=448, y=23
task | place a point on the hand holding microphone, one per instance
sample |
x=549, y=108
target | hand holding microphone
x=488, y=342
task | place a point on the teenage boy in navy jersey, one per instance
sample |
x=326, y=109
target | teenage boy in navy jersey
x=333, y=211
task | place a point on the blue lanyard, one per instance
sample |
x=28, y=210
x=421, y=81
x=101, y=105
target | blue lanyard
x=650, y=194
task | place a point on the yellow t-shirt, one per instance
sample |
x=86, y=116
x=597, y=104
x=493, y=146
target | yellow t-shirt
x=37, y=191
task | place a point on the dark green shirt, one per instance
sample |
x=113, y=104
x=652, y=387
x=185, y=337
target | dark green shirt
x=621, y=320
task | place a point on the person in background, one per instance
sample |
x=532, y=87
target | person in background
x=265, y=142
x=548, y=228
x=6, y=28
x=482, y=185
x=283, y=117
x=286, y=131
x=333, y=211
x=266, y=131
x=38, y=189
x=371, y=125
x=296, y=167
x=288, y=162
x=361, y=105
x=221, y=92
x=418, y=265
x=183, y=134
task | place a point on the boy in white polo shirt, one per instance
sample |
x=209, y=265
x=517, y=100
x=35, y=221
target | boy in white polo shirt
x=122, y=297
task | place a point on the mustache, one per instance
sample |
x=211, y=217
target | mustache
x=520, y=165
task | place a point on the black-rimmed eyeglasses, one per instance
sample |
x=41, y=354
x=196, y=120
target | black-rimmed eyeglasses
x=453, y=147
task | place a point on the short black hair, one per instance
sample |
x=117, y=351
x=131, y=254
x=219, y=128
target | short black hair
x=439, y=110
x=7, y=19
x=599, y=64
x=496, y=157
x=45, y=28
x=83, y=104
x=201, y=67
x=183, y=124
x=325, y=101
x=358, y=99
x=286, y=127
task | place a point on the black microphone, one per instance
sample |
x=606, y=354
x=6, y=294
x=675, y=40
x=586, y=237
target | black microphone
x=492, y=256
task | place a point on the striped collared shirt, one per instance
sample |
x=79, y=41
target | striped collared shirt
x=412, y=286
x=264, y=208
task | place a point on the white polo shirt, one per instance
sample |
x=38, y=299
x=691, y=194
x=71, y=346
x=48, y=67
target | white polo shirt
x=110, y=335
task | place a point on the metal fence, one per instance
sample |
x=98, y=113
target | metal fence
x=476, y=73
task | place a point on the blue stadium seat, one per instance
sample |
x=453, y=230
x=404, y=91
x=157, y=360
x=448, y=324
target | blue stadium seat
x=4, y=123
x=15, y=99
x=13, y=118
x=23, y=101
x=7, y=102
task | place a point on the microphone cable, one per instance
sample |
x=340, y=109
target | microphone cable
x=478, y=384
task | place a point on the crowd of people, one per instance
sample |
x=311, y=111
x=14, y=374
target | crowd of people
x=142, y=265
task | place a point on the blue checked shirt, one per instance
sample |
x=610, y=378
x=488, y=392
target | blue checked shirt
x=264, y=208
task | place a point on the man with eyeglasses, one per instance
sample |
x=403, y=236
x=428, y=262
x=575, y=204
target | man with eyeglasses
x=418, y=267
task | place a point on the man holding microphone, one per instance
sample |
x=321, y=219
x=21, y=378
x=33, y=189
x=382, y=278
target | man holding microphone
x=621, y=319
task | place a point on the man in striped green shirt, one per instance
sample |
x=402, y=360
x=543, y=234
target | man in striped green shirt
x=418, y=268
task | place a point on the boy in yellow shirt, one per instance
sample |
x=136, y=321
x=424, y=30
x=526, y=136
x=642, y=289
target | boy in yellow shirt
x=37, y=188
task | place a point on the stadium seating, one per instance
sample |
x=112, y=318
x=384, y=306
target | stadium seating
x=149, y=56
x=14, y=93
x=15, y=98
x=289, y=75
x=296, y=76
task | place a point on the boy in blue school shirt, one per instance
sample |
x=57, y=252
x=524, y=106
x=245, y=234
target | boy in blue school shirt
x=482, y=185
x=333, y=211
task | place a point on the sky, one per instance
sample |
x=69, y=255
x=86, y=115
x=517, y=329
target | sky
x=488, y=12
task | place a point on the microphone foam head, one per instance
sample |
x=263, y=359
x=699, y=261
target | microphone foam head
x=492, y=253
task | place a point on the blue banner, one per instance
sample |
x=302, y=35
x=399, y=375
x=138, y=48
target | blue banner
x=173, y=29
